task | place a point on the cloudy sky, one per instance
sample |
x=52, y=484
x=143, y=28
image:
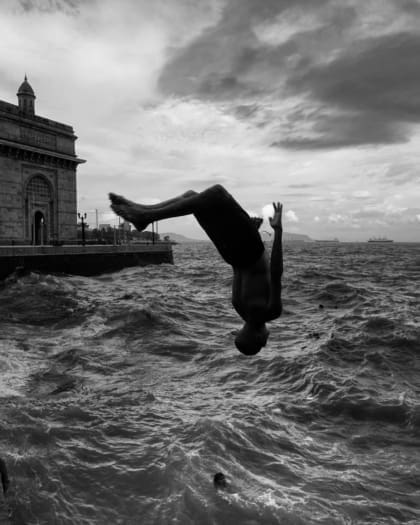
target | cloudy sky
x=315, y=103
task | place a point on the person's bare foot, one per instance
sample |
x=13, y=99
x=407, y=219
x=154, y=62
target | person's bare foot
x=130, y=211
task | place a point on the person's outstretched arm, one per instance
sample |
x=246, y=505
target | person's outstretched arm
x=276, y=264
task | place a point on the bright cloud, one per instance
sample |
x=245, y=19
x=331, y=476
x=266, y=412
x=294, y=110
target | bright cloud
x=336, y=217
x=361, y=194
x=291, y=216
x=267, y=211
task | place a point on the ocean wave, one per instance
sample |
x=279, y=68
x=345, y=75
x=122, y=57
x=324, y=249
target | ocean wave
x=51, y=381
x=368, y=409
x=122, y=405
x=355, y=336
x=71, y=357
x=317, y=273
x=379, y=324
x=394, y=334
x=38, y=299
x=404, y=343
x=345, y=393
x=340, y=294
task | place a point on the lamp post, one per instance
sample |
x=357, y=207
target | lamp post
x=154, y=232
x=82, y=217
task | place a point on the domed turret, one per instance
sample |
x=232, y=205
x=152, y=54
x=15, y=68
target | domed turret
x=26, y=98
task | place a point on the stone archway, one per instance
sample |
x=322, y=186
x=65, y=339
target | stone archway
x=39, y=210
x=39, y=228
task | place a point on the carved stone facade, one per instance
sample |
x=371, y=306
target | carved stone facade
x=38, y=199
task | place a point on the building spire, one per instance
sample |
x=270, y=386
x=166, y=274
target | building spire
x=26, y=98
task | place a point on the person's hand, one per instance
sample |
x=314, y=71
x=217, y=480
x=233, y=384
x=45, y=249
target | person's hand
x=275, y=221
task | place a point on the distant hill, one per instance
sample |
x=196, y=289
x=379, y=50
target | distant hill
x=287, y=237
x=177, y=237
x=296, y=237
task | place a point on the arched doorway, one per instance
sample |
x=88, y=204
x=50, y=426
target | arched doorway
x=39, y=210
x=39, y=233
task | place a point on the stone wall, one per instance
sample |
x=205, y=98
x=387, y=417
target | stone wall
x=11, y=212
x=78, y=260
x=14, y=177
x=67, y=205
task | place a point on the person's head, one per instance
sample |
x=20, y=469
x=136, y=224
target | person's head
x=250, y=339
x=220, y=481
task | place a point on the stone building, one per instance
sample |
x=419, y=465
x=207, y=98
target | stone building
x=38, y=202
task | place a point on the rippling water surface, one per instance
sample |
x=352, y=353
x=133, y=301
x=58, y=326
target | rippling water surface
x=122, y=395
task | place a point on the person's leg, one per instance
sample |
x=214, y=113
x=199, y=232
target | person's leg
x=161, y=204
x=227, y=224
x=188, y=203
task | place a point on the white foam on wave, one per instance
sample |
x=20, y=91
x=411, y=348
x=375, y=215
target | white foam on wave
x=15, y=369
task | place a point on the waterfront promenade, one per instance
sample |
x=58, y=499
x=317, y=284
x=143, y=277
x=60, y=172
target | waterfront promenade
x=82, y=260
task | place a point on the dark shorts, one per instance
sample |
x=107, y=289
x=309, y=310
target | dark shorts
x=229, y=227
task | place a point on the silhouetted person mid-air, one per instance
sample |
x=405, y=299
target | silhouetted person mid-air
x=256, y=289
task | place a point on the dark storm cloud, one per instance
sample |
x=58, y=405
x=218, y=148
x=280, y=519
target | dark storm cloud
x=211, y=67
x=368, y=94
x=228, y=60
x=412, y=7
x=68, y=6
x=378, y=75
x=344, y=130
x=403, y=172
x=245, y=111
x=371, y=90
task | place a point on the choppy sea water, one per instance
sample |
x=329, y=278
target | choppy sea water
x=122, y=395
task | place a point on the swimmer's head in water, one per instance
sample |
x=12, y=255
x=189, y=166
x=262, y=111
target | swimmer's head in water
x=220, y=481
x=250, y=339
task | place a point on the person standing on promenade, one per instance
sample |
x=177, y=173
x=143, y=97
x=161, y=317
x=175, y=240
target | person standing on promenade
x=256, y=289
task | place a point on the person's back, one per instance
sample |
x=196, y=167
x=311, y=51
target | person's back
x=251, y=291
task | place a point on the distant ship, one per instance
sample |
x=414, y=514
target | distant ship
x=380, y=239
